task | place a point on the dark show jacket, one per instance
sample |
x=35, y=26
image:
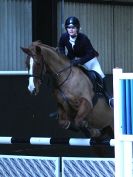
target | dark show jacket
x=82, y=49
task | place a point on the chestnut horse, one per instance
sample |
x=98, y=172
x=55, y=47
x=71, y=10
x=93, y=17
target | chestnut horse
x=73, y=90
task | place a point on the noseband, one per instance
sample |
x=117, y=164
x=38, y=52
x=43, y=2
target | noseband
x=40, y=76
x=36, y=76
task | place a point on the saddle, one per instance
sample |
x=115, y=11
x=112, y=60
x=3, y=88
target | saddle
x=97, y=81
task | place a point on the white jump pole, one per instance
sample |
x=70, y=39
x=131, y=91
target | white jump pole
x=51, y=141
x=13, y=72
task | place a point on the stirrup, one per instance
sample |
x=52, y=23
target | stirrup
x=111, y=102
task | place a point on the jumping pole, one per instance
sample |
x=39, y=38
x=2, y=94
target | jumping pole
x=52, y=141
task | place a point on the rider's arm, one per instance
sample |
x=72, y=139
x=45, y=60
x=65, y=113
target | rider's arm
x=90, y=52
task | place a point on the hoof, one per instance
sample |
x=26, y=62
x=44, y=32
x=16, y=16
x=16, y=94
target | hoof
x=107, y=131
x=85, y=131
x=72, y=127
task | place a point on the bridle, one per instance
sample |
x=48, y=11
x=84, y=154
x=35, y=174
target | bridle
x=40, y=76
x=56, y=75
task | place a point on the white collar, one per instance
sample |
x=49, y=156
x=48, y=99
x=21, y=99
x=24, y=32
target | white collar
x=72, y=40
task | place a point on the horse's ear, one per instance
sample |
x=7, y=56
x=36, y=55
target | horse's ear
x=26, y=50
x=38, y=50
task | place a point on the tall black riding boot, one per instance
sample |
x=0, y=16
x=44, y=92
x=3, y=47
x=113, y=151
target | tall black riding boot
x=108, y=95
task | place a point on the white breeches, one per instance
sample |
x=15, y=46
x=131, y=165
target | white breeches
x=93, y=64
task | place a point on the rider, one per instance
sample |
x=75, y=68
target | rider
x=80, y=50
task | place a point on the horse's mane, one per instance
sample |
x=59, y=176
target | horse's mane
x=54, y=49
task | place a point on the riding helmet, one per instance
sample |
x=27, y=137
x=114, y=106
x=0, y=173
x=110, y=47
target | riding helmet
x=72, y=21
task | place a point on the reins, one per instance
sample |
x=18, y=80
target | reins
x=67, y=67
x=58, y=74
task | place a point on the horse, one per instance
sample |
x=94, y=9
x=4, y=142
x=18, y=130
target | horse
x=72, y=89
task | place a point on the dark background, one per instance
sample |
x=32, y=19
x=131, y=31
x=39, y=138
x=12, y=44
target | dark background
x=44, y=15
x=25, y=116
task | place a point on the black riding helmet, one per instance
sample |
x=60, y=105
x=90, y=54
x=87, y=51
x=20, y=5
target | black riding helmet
x=72, y=21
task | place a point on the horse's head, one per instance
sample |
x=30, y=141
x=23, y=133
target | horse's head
x=36, y=66
x=42, y=58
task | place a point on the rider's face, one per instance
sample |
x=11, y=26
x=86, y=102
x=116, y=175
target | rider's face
x=72, y=31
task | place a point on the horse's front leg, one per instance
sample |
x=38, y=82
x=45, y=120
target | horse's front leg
x=81, y=121
x=84, y=108
x=64, y=120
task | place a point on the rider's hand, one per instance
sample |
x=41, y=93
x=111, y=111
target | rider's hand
x=77, y=58
x=75, y=61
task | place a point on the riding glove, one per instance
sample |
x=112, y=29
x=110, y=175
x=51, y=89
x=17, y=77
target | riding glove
x=75, y=62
